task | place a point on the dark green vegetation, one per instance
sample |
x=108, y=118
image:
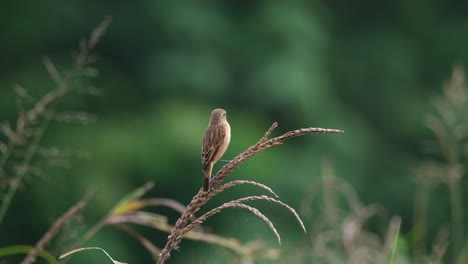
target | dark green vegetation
x=382, y=72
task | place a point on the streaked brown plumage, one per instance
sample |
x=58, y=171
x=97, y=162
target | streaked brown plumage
x=215, y=143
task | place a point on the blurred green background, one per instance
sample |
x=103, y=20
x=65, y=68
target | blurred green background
x=369, y=68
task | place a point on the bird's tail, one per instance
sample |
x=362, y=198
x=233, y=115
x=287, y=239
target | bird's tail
x=206, y=183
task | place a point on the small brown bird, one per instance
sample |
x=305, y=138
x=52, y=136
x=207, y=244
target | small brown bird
x=215, y=143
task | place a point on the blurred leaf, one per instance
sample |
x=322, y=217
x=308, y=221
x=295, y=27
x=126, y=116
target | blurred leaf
x=129, y=202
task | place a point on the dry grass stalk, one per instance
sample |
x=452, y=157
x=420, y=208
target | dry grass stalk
x=439, y=248
x=203, y=218
x=232, y=204
x=237, y=182
x=169, y=203
x=183, y=223
x=55, y=228
x=150, y=247
x=90, y=248
x=427, y=176
x=450, y=129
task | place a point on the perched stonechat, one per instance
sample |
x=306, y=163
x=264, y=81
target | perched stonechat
x=215, y=143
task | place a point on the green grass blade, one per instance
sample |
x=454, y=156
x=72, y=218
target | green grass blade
x=24, y=249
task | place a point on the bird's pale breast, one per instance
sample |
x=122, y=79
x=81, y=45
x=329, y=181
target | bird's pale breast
x=226, y=140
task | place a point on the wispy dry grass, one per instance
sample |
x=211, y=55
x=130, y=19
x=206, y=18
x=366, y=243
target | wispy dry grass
x=340, y=234
x=20, y=143
x=449, y=125
x=184, y=224
x=21, y=148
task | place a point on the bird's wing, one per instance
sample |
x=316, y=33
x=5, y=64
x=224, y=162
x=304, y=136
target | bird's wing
x=214, y=137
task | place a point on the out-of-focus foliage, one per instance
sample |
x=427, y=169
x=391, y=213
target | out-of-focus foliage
x=370, y=68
